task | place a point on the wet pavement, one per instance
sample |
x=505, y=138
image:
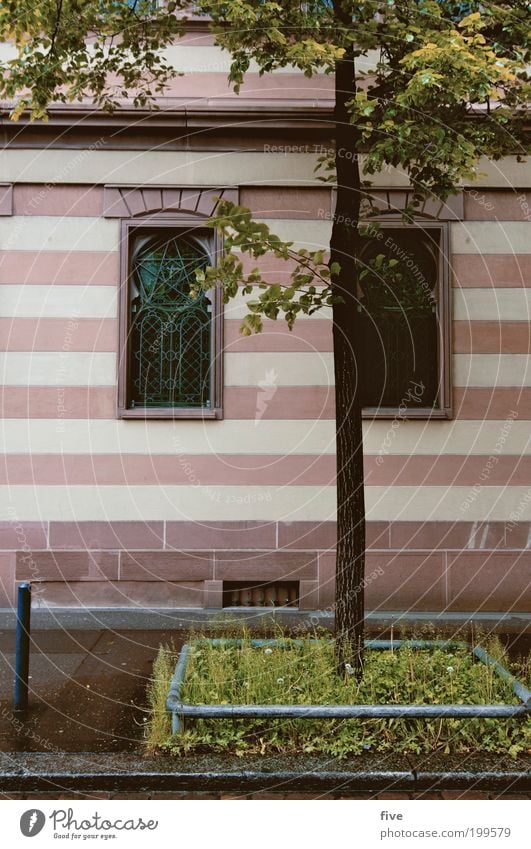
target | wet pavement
x=87, y=690
x=88, y=700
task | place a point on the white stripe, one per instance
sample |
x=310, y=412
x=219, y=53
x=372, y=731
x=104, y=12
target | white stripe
x=490, y=237
x=237, y=307
x=53, y=233
x=61, y=368
x=188, y=168
x=186, y=437
x=492, y=304
x=182, y=437
x=195, y=59
x=317, y=369
x=197, y=168
x=93, y=301
x=212, y=59
x=498, y=304
x=68, y=302
x=467, y=237
x=261, y=372
x=268, y=370
x=135, y=503
x=448, y=503
x=492, y=370
x=312, y=234
x=264, y=372
x=506, y=173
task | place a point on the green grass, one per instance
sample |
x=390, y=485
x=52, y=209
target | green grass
x=306, y=674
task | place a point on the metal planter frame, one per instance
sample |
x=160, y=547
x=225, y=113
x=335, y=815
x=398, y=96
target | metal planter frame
x=179, y=709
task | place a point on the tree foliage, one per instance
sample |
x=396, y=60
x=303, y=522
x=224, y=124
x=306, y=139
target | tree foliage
x=423, y=86
x=437, y=85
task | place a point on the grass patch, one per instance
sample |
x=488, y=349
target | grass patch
x=306, y=674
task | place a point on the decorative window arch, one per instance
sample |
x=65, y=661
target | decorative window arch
x=170, y=355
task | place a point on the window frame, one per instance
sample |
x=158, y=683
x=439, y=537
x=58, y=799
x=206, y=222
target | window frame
x=157, y=224
x=443, y=409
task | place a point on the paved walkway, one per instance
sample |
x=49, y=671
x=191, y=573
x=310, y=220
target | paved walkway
x=87, y=695
x=87, y=690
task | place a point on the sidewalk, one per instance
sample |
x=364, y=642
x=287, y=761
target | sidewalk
x=87, y=690
x=88, y=699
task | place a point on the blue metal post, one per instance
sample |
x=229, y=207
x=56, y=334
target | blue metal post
x=20, y=700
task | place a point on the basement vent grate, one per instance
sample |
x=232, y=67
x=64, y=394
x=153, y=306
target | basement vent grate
x=274, y=594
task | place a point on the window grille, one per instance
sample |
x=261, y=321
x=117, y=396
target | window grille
x=170, y=327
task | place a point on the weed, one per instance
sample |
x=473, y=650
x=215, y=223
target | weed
x=304, y=672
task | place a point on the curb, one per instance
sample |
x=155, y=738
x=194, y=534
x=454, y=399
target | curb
x=169, y=618
x=30, y=772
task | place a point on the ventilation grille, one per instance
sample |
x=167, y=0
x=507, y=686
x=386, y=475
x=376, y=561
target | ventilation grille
x=274, y=594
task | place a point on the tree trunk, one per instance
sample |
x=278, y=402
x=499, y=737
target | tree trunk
x=350, y=558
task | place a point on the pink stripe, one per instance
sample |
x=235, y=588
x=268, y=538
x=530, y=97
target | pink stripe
x=49, y=334
x=446, y=470
x=258, y=470
x=482, y=205
x=215, y=85
x=304, y=402
x=195, y=470
x=64, y=200
x=60, y=267
x=306, y=336
x=492, y=337
x=486, y=270
x=468, y=270
x=57, y=334
x=483, y=403
x=298, y=402
x=287, y=202
x=47, y=402
x=317, y=402
x=499, y=581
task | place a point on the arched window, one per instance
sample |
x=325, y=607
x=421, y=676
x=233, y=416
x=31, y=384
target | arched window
x=171, y=347
x=403, y=299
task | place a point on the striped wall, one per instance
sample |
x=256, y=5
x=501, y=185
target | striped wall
x=106, y=512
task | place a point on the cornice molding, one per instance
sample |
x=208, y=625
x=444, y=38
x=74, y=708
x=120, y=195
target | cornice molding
x=207, y=113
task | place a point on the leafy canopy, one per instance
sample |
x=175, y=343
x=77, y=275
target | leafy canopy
x=436, y=85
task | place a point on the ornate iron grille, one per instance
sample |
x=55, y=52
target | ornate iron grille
x=170, y=329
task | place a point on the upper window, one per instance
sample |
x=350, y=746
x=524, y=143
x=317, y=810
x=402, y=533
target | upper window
x=171, y=346
x=405, y=321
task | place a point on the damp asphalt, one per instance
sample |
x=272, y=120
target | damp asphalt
x=87, y=690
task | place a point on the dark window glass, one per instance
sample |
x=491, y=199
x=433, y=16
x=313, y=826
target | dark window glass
x=170, y=331
x=398, y=295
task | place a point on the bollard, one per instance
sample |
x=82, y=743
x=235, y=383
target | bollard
x=20, y=700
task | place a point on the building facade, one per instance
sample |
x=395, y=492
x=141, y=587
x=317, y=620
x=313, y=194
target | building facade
x=154, y=457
